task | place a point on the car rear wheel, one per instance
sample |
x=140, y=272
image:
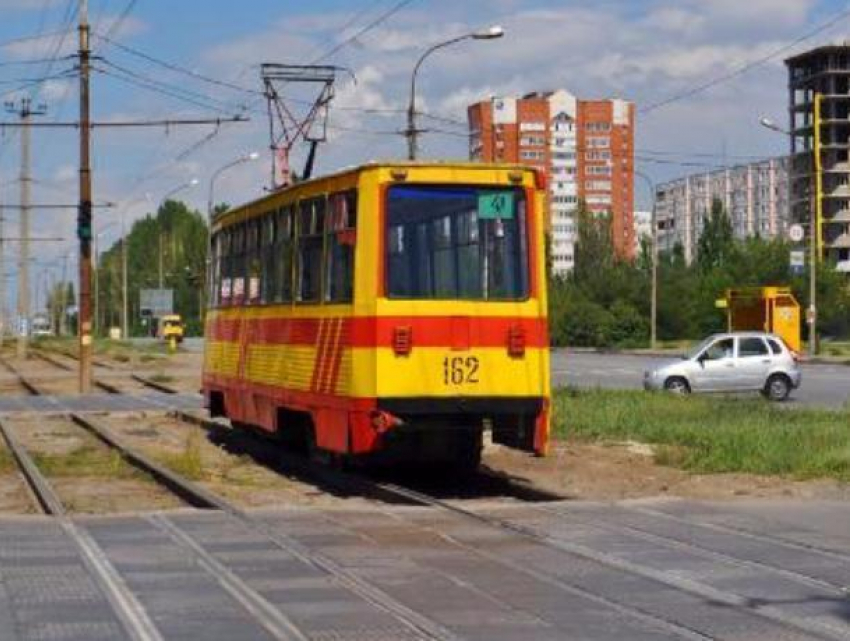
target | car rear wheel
x=777, y=388
x=677, y=385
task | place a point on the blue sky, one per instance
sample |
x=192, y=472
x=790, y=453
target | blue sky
x=642, y=50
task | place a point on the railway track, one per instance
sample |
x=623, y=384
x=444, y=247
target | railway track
x=761, y=608
x=98, y=382
x=698, y=590
x=136, y=622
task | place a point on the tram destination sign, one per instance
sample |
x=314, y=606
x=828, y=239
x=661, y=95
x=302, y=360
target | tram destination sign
x=496, y=204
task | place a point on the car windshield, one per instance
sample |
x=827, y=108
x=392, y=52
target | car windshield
x=695, y=351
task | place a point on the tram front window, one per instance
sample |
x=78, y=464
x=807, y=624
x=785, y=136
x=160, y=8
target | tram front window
x=456, y=243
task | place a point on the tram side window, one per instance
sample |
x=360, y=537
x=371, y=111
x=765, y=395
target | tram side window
x=225, y=286
x=268, y=284
x=311, y=215
x=237, y=265
x=341, y=230
x=214, y=273
x=252, y=262
x=282, y=262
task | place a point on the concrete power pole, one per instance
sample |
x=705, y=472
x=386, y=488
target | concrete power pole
x=25, y=111
x=84, y=216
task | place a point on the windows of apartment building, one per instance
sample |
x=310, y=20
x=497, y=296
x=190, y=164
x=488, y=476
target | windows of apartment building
x=526, y=154
x=564, y=200
x=598, y=142
x=598, y=185
x=598, y=170
x=564, y=155
x=598, y=126
x=532, y=141
x=597, y=155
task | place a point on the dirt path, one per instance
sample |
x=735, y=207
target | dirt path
x=614, y=472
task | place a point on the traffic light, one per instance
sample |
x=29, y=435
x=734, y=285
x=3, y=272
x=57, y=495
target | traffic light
x=84, y=227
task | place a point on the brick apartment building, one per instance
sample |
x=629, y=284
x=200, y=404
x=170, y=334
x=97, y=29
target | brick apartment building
x=586, y=148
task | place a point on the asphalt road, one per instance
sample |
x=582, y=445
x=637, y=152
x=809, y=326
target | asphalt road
x=823, y=385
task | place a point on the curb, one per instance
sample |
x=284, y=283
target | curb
x=805, y=360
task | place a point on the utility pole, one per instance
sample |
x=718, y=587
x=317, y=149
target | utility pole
x=125, y=319
x=84, y=217
x=160, y=260
x=815, y=231
x=24, y=110
x=63, y=316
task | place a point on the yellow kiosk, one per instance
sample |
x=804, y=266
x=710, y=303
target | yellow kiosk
x=764, y=309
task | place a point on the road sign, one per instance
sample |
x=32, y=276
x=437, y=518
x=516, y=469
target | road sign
x=796, y=233
x=798, y=258
x=160, y=302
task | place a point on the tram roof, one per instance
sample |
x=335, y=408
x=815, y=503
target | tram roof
x=378, y=164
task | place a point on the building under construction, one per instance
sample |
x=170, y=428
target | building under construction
x=824, y=71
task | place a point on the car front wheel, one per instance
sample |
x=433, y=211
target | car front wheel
x=677, y=385
x=777, y=388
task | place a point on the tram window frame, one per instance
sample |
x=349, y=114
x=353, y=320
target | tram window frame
x=238, y=244
x=226, y=270
x=310, y=249
x=267, y=267
x=214, y=274
x=253, y=262
x=284, y=251
x=443, y=242
x=340, y=245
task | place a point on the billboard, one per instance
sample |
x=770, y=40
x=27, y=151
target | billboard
x=156, y=302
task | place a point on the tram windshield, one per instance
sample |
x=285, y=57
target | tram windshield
x=446, y=242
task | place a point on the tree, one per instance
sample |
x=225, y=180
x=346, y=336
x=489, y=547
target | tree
x=175, y=237
x=716, y=240
x=594, y=250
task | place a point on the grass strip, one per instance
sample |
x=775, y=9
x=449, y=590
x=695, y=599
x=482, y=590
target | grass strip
x=711, y=434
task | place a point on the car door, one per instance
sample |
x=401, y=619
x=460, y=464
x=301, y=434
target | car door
x=753, y=362
x=714, y=369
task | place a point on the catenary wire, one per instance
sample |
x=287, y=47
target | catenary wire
x=748, y=66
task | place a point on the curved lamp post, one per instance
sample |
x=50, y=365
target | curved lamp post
x=412, y=133
x=238, y=161
x=767, y=123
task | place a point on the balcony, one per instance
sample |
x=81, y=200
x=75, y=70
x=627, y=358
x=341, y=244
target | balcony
x=838, y=242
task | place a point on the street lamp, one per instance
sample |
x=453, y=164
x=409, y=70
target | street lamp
x=653, y=313
x=412, y=133
x=767, y=123
x=238, y=161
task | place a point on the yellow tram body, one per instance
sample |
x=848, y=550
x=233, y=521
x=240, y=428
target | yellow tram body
x=388, y=303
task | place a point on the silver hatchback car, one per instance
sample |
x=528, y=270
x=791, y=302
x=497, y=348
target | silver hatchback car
x=736, y=362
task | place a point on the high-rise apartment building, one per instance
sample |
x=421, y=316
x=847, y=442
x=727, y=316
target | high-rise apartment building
x=586, y=148
x=755, y=196
x=824, y=71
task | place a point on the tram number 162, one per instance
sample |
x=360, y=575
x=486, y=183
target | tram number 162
x=459, y=370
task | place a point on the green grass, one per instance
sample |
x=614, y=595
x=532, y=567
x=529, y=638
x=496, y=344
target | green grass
x=87, y=460
x=708, y=434
x=7, y=463
x=188, y=462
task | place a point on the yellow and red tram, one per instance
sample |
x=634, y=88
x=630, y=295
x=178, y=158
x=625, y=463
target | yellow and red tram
x=393, y=307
